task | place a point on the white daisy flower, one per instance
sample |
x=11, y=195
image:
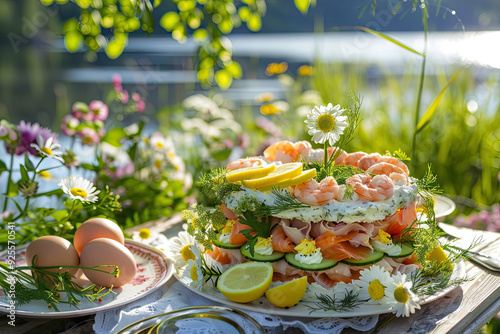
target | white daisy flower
x=373, y=284
x=79, y=188
x=326, y=123
x=179, y=249
x=405, y=302
x=194, y=273
x=48, y=148
x=160, y=143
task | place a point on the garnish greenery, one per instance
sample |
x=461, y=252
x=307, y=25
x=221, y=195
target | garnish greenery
x=209, y=272
x=353, y=121
x=49, y=286
x=260, y=227
x=331, y=303
x=401, y=155
x=427, y=184
x=213, y=183
x=283, y=201
x=339, y=172
x=204, y=223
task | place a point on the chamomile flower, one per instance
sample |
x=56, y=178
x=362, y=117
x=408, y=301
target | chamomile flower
x=399, y=292
x=179, y=249
x=194, y=273
x=48, y=148
x=326, y=124
x=79, y=188
x=373, y=284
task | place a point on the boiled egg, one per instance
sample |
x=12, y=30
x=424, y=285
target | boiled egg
x=103, y=251
x=95, y=228
x=51, y=251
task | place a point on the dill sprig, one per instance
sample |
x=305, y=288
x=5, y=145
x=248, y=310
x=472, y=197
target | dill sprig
x=427, y=184
x=283, y=201
x=204, y=223
x=339, y=172
x=331, y=303
x=48, y=286
x=426, y=286
x=401, y=155
x=213, y=183
x=353, y=121
x=209, y=272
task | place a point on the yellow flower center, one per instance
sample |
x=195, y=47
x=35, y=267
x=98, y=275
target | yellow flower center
x=157, y=163
x=187, y=253
x=46, y=150
x=159, y=145
x=383, y=237
x=78, y=192
x=326, y=122
x=305, y=70
x=194, y=274
x=144, y=233
x=306, y=247
x=401, y=295
x=45, y=174
x=376, y=290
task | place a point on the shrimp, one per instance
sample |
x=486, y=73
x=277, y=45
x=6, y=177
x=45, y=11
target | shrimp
x=314, y=193
x=352, y=159
x=374, y=158
x=286, y=151
x=246, y=162
x=378, y=188
x=395, y=173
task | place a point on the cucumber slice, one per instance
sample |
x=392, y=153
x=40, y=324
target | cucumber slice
x=275, y=256
x=406, y=250
x=325, y=264
x=372, y=258
x=225, y=245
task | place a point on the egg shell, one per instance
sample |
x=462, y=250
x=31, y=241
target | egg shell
x=95, y=228
x=52, y=251
x=105, y=251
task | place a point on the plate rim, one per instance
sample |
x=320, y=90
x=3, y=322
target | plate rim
x=448, y=201
x=85, y=312
x=277, y=311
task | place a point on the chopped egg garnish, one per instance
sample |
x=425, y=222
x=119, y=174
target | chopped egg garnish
x=225, y=238
x=229, y=226
x=264, y=246
x=383, y=243
x=308, y=253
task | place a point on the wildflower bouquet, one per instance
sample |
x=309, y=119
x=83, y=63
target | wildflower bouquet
x=357, y=225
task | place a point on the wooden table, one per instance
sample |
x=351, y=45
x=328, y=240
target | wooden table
x=464, y=310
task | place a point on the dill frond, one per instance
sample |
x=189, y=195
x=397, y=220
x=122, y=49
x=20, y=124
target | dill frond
x=203, y=223
x=283, y=201
x=427, y=184
x=331, y=303
x=339, y=172
x=213, y=183
x=401, y=155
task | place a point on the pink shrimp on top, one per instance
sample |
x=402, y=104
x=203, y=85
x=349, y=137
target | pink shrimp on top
x=352, y=159
x=314, y=193
x=374, y=158
x=394, y=172
x=246, y=162
x=286, y=151
x=378, y=188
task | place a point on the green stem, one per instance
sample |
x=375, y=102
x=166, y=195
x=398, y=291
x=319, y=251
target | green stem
x=9, y=180
x=325, y=154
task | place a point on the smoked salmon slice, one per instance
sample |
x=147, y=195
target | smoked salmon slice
x=280, y=242
x=401, y=219
x=338, y=248
x=236, y=238
x=219, y=256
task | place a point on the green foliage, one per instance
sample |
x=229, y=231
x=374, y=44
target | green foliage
x=332, y=303
x=260, y=227
x=204, y=223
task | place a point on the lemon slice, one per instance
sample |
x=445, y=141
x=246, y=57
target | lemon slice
x=288, y=294
x=303, y=177
x=246, y=282
x=249, y=173
x=281, y=173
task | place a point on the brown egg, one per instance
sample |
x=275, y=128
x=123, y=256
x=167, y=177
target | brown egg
x=53, y=251
x=104, y=251
x=97, y=228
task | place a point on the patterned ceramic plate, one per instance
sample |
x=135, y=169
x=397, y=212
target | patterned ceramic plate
x=153, y=271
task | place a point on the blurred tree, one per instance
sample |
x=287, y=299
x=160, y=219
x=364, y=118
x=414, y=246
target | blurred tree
x=105, y=24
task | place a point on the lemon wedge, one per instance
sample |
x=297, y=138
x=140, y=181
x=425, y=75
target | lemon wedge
x=246, y=282
x=281, y=173
x=288, y=294
x=249, y=173
x=306, y=175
